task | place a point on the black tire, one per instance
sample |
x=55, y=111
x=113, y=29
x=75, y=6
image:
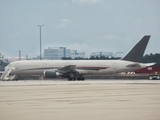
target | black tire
x=82, y=78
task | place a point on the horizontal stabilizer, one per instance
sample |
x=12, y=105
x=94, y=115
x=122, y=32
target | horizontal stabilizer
x=149, y=64
x=134, y=65
x=136, y=53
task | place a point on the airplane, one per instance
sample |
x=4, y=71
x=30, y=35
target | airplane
x=77, y=69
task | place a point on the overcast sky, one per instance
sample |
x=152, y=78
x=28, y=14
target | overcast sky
x=83, y=25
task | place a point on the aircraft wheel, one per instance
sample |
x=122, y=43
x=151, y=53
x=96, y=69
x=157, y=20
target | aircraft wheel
x=83, y=78
x=80, y=78
x=69, y=79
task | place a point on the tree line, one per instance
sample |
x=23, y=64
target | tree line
x=148, y=58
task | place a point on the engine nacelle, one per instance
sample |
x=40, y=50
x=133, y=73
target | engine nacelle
x=51, y=74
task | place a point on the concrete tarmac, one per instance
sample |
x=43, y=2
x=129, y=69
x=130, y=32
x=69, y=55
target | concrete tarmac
x=80, y=100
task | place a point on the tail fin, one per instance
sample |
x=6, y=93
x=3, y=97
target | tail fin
x=136, y=53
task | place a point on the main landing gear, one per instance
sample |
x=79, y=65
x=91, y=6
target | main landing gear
x=78, y=78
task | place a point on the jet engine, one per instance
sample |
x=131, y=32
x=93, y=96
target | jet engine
x=51, y=74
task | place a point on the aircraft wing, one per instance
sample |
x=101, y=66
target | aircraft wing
x=139, y=65
x=73, y=68
x=67, y=69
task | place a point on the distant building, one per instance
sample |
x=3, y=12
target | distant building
x=57, y=53
x=75, y=54
x=12, y=59
x=100, y=54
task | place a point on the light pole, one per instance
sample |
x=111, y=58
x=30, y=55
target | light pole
x=40, y=39
x=26, y=57
x=19, y=55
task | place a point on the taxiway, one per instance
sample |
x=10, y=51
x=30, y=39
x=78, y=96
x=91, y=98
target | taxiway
x=80, y=100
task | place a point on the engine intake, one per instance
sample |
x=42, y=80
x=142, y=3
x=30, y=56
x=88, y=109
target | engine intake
x=51, y=74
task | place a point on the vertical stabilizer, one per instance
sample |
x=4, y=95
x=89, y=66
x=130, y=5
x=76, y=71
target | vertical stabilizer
x=136, y=53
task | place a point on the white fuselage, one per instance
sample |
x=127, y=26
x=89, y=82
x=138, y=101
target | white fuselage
x=85, y=67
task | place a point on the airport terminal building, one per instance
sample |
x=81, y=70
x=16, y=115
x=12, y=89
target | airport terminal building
x=57, y=53
x=100, y=54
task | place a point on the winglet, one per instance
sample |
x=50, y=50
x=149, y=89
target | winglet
x=136, y=53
